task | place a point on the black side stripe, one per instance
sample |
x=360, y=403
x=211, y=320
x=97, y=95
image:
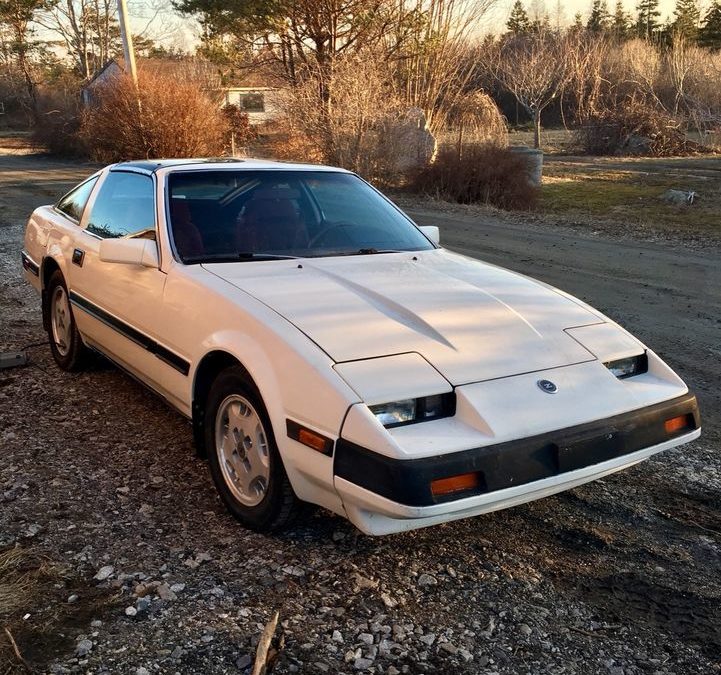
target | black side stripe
x=29, y=264
x=164, y=354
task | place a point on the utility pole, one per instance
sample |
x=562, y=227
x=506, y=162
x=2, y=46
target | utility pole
x=127, y=39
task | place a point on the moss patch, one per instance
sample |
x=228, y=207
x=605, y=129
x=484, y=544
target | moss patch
x=634, y=196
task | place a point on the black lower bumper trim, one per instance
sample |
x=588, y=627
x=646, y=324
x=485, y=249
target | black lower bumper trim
x=515, y=462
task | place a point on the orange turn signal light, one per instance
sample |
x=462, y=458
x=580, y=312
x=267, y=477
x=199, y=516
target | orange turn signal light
x=309, y=438
x=678, y=423
x=460, y=483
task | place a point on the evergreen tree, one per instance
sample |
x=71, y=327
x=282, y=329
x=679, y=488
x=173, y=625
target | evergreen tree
x=540, y=25
x=686, y=20
x=598, y=19
x=518, y=22
x=710, y=33
x=577, y=25
x=647, y=23
x=620, y=22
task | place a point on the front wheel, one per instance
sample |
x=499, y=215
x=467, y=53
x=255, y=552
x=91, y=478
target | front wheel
x=66, y=344
x=244, y=460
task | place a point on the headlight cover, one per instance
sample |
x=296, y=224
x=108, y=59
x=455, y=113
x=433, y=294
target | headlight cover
x=412, y=410
x=628, y=367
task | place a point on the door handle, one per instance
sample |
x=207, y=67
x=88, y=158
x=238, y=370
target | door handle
x=78, y=257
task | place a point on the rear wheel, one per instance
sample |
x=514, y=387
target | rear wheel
x=66, y=344
x=244, y=460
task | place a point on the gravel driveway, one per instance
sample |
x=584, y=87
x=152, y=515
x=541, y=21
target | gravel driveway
x=138, y=568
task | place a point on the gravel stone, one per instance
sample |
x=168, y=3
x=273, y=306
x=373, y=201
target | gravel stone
x=428, y=639
x=104, y=572
x=448, y=647
x=165, y=593
x=425, y=580
x=362, y=663
x=83, y=648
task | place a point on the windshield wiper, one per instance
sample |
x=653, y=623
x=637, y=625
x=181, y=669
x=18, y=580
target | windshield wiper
x=370, y=251
x=235, y=257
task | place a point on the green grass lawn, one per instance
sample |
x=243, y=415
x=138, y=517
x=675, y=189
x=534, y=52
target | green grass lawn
x=630, y=191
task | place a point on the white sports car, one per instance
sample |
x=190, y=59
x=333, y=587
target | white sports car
x=327, y=350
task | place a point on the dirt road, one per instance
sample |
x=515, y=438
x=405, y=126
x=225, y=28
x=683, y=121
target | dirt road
x=621, y=576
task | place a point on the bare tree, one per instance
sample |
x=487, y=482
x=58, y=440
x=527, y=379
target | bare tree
x=585, y=57
x=533, y=68
x=16, y=17
x=434, y=62
x=87, y=30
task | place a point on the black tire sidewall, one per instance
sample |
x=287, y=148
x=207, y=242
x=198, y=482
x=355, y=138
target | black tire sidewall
x=73, y=360
x=264, y=516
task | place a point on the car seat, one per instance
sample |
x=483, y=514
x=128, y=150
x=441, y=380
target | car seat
x=270, y=221
x=186, y=235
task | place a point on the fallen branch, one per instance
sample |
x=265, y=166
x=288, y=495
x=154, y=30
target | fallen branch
x=261, y=654
x=16, y=649
x=584, y=632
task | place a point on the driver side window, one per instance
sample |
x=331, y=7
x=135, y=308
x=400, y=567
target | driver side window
x=124, y=207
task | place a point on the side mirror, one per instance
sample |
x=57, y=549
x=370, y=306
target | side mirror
x=432, y=232
x=130, y=252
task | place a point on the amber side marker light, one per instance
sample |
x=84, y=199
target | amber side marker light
x=679, y=424
x=309, y=437
x=460, y=483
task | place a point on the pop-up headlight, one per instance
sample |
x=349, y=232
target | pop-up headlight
x=628, y=367
x=410, y=410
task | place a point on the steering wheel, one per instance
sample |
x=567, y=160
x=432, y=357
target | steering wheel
x=330, y=228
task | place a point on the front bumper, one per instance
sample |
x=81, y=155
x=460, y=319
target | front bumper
x=383, y=494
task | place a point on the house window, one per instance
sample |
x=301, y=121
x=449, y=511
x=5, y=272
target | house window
x=251, y=101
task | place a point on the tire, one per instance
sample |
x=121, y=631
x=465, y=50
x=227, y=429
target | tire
x=243, y=456
x=66, y=344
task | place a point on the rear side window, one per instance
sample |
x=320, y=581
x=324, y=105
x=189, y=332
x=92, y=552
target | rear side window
x=124, y=207
x=73, y=203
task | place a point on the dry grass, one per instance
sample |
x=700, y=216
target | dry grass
x=34, y=587
x=20, y=577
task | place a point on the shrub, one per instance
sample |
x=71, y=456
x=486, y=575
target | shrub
x=635, y=128
x=163, y=117
x=240, y=132
x=58, y=117
x=283, y=141
x=485, y=174
x=57, y=132
x=475, y=118
x=348, y=117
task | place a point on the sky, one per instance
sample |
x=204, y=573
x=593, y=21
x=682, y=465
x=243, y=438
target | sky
x=171, y=30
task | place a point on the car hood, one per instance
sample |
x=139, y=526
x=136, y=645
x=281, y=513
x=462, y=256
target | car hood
x=472, y=321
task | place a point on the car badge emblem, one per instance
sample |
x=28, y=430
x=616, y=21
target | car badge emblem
x=547, y=386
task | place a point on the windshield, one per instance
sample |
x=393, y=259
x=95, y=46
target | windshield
x=265, y=215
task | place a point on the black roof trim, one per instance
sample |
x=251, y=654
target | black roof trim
x=152, y=165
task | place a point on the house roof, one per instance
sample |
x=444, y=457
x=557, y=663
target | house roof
x=253, y=76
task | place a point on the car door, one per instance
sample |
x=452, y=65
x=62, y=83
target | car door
x=118, y=306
